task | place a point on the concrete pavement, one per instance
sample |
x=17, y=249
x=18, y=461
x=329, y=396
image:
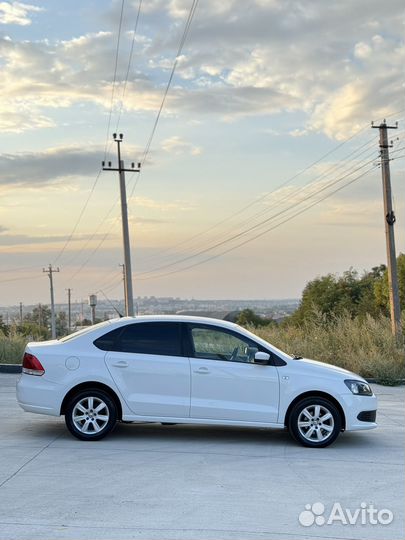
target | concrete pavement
x=185, y=482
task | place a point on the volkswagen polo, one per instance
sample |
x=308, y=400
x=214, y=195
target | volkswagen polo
x=189, y=370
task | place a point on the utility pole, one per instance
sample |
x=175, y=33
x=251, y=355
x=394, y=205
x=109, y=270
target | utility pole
x=50, y=271
x=21, y=313
x=125, y=287
x=390, y=219
x=129, y=297
x=40, y=315
x=69, y=291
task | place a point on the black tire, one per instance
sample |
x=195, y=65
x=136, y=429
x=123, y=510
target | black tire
x=94, y=425
x=318, y=433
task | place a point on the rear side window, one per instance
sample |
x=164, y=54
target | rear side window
x=159, y=338
x=108, y=341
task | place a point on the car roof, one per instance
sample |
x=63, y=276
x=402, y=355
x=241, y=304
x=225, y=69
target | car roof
x=173, y=318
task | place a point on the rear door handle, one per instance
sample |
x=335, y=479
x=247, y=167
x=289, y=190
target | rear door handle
x=121, y=363
x=202, y=371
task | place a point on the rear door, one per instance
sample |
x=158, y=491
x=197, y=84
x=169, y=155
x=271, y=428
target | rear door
x=226, y=384
x=147, y=364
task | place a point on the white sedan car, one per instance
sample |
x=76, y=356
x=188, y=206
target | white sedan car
x=190, y=370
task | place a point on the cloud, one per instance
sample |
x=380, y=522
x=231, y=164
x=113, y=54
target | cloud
x=275, y=57
x=17, y=13
x=177, y=146
x=36, y=169
x=152, y=204
x=24, y=239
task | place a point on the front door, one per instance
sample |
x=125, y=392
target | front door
x=226, y=384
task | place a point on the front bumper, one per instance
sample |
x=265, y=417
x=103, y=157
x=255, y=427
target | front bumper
x=354, y=406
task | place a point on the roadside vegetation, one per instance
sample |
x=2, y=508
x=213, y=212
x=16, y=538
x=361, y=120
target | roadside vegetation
x=342, y=320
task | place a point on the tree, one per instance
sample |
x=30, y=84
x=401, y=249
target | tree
x=61, y=324
x=248, y=317
x=3, y=326
x=41, y=315
x=381, y=287
x=359, y=296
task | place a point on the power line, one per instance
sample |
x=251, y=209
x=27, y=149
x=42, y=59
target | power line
x=253, y=227
x=169, y=82
x=114, y=79
x=274, y=191
x=79, y=218
x=129, y=64
x=149, y=142
x=258, y=235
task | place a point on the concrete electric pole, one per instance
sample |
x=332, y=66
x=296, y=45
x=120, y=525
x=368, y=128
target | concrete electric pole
x=50, y=271
x=69, y=292
x=125, y=287
x=390, y=219
x=129, y=297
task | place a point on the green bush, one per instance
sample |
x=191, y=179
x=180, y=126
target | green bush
x=12, y=348
x=364, y=345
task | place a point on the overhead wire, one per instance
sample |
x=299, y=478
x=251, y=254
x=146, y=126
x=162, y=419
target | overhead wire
x=151, y=136
x=356, y=153
x=253, y=227
x=114, y=78
x=262, y=233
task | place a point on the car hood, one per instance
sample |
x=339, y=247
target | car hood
x=314, y=365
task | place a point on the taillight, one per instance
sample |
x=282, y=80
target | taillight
x=31, y=365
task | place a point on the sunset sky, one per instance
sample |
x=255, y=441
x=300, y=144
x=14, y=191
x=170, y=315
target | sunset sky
x=269, y=111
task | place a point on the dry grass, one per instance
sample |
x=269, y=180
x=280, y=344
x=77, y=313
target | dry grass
x=365, y=346
x=12, y=349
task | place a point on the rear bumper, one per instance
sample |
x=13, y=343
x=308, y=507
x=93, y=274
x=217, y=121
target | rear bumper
x=37, y=395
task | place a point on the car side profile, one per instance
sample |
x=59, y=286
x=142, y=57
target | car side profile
x=189, y=370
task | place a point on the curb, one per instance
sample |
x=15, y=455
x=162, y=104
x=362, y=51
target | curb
x=17, y=368
x=10, y=368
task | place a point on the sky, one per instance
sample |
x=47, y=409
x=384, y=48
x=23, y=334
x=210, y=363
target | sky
x=262, y=171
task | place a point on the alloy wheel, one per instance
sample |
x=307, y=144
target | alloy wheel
x=316, y=423
x=90, y=415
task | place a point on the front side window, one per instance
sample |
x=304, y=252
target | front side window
x=151, y=338
x=217, y=344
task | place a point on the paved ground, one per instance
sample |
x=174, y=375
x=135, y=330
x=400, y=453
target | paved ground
x=149, y=482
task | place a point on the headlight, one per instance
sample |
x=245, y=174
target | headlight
x=358, y=387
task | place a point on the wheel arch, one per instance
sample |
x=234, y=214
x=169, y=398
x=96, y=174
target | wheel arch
x=96, y=385
x=315, y=393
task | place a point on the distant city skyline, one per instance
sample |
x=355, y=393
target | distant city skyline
x=262, y=171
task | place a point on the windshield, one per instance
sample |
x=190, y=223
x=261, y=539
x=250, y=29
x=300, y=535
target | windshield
x=84, y=331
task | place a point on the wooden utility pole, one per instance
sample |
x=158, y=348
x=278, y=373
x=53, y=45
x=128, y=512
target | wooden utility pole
x=50, y=271
x=129, y=297
x=393, y=290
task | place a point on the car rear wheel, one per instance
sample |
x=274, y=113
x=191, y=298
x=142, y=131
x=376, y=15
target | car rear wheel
x=91, y=415
x=315, y=422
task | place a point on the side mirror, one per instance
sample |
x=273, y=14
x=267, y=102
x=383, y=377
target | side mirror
x=261, y=358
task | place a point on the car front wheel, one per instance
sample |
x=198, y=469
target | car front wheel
x=315, y=422
x=91, y=415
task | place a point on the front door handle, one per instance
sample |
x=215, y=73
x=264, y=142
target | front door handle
x=202, y=371
x=121, y=363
